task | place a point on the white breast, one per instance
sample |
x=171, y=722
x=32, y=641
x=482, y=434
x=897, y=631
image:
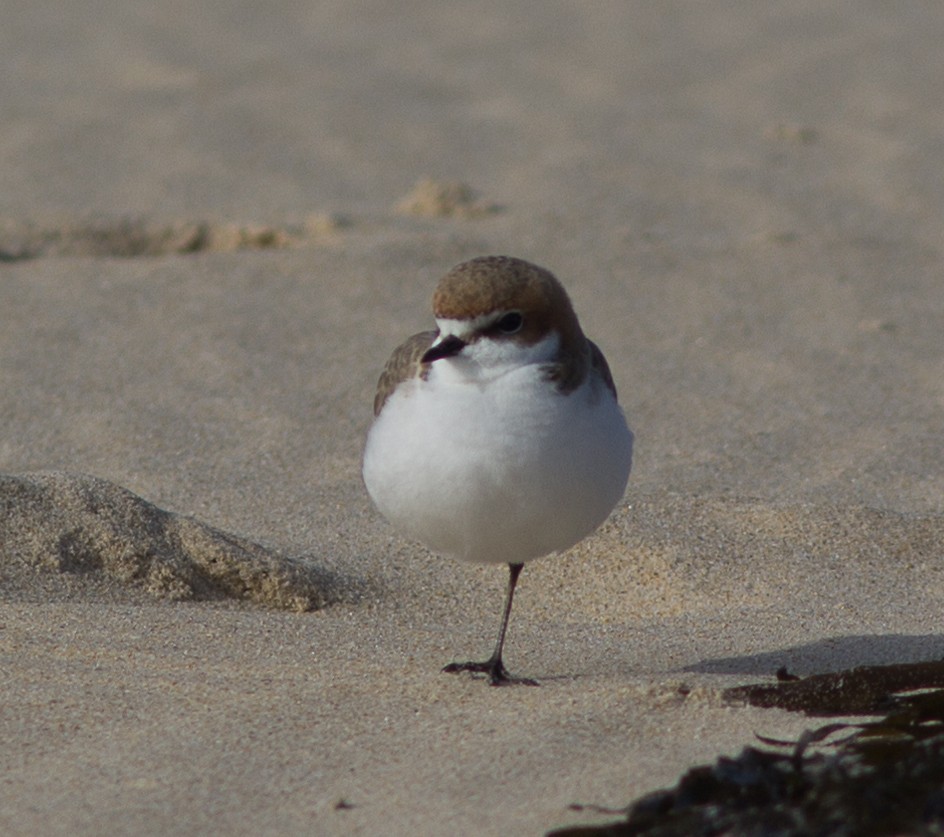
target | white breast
x=503, y=470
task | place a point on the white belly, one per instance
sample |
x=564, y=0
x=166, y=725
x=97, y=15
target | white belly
x=502, y=472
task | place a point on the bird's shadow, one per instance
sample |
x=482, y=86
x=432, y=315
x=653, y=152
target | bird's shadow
x=828, y=655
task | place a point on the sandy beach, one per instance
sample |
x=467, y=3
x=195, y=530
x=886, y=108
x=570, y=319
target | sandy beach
x=216, y=225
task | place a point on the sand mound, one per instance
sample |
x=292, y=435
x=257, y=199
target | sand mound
x=444, y=199
x=132, y=237
x=75, y=523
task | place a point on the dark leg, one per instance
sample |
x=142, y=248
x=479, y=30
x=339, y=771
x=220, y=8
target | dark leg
x=493, y=666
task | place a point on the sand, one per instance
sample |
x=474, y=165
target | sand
x=216, y=224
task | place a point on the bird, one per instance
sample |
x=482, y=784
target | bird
x=497, y=437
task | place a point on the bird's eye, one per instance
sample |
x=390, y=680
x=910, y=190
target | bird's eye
x=510, y=322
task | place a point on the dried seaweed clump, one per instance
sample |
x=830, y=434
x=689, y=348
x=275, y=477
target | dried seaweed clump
x=882, y=777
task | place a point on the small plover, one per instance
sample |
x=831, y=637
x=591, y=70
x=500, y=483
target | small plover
x=498, y=437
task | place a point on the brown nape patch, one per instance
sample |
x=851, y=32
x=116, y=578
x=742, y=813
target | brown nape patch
x=76, y=524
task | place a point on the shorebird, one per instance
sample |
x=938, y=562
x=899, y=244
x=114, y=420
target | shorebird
x=498, y=437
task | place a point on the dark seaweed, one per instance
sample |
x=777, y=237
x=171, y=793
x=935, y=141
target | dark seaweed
x=866, y=690
x=877, y=777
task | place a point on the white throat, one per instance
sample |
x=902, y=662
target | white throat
x=486, y=358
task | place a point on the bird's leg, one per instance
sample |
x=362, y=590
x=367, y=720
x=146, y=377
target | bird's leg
x=493, y=666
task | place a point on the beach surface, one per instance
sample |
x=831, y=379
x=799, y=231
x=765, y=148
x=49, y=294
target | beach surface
x=215, y=225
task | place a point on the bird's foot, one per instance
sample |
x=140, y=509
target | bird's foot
x=495, y=669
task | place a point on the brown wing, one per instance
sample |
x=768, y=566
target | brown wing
x=598, y=362
x=404, y=363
